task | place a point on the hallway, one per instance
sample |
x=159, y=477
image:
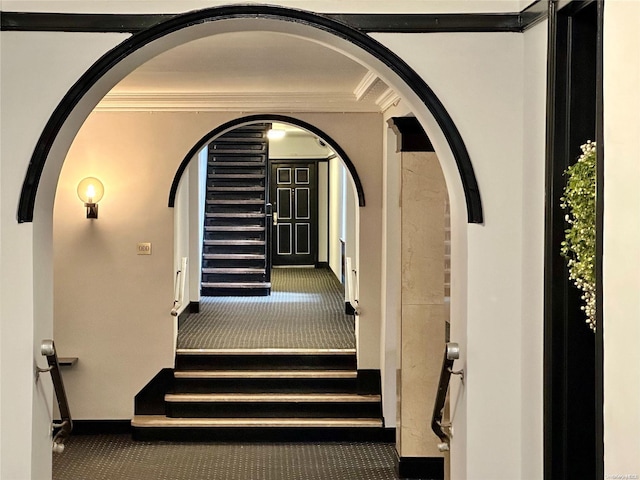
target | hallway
x=304, y=311
x=117, y=457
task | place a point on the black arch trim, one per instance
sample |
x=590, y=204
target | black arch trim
x=139, y=40
x=265, y=118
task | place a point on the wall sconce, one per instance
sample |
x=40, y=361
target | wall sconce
x=90, y=191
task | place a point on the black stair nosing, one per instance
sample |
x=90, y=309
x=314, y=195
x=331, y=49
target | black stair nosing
x=238, y=139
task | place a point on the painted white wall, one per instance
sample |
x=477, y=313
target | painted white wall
x=335, y=215
x=480, y=80
x=323, y=212
x=112, y=306
x=621, y=257
x=533, y=191
x=34, y=69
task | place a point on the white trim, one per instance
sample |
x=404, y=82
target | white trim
x=388, y=99
x=214, y=102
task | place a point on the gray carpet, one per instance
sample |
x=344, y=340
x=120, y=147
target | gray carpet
x=117, y=457
x=304, y=310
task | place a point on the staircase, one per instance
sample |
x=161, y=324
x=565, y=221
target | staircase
x=234, y=253
x=259, y=395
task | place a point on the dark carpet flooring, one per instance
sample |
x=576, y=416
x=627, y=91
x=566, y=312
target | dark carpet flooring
x=117, y=457
x=304, y=310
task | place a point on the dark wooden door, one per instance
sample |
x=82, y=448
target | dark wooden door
x=294, y=195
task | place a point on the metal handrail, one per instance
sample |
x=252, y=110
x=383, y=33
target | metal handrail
x=48, y=349
x=451, y=353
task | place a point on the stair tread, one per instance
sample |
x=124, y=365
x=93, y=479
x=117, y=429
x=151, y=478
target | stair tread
x=236, y=284
x=233, y=256
x=234, y=270
x=252, y=374
x=234, y=228
x=271, y=397
x=250, y=201
x=235, y=189
x=223, y=163
x=266, y=351
x=234, y=242
x=163, y=421
x=236, y=175
x=236, y=215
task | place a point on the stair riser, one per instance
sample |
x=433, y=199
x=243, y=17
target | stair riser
x=233, y=221
x=233, y=249
x=258, y=434
x=227, y=277
x=235, y=292
x=266, y=362
x=233, y=169
x=237, y=208
x=273, y=410
x=222, y=263
x=236, y=182
x=266, y=385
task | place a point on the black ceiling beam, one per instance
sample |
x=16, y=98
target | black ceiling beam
x=367, y=22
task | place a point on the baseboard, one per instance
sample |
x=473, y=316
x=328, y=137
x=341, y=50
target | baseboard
x=426, y=468
x=194, y=307
x=369, y=382
x=101, y=427
x=389, y=435
x=348, y=309
x=150, y=400
x=322, y=264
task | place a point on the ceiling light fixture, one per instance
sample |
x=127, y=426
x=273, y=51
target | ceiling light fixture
x=275, y=134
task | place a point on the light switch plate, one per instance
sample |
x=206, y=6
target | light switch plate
x=144, y=248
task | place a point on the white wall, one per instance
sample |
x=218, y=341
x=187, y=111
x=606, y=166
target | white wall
x=621, y=258
x=480, y=80
x=36, y=71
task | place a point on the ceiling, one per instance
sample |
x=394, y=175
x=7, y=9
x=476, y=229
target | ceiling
x=258, y=71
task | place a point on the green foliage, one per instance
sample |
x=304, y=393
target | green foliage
x=579, y=246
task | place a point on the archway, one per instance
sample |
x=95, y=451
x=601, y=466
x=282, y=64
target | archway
x=70, y=114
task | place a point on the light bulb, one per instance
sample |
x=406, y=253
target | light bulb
x=90, y=190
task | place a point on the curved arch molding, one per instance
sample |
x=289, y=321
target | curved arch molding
x=179, y=22
x=266, y=118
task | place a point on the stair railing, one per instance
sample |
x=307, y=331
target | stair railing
x=352, y=286
x=181, y=278
x=271, y=219
x=451, y=353
x=48, y=349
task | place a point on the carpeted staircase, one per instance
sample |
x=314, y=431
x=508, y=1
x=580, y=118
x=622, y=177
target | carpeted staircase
x=260, y=395
x=235, y=257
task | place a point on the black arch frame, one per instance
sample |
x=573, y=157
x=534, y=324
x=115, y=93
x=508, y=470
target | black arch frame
x=113, y=57
x=266, y=118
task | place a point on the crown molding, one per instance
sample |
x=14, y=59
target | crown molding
x=388, y=99
x=366, y=84
x=250, y=101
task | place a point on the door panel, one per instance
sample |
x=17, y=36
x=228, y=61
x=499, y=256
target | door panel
x=295, y=193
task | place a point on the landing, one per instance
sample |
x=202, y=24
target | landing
x=305, y=310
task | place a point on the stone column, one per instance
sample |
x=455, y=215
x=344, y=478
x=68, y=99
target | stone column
x=422, y=323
